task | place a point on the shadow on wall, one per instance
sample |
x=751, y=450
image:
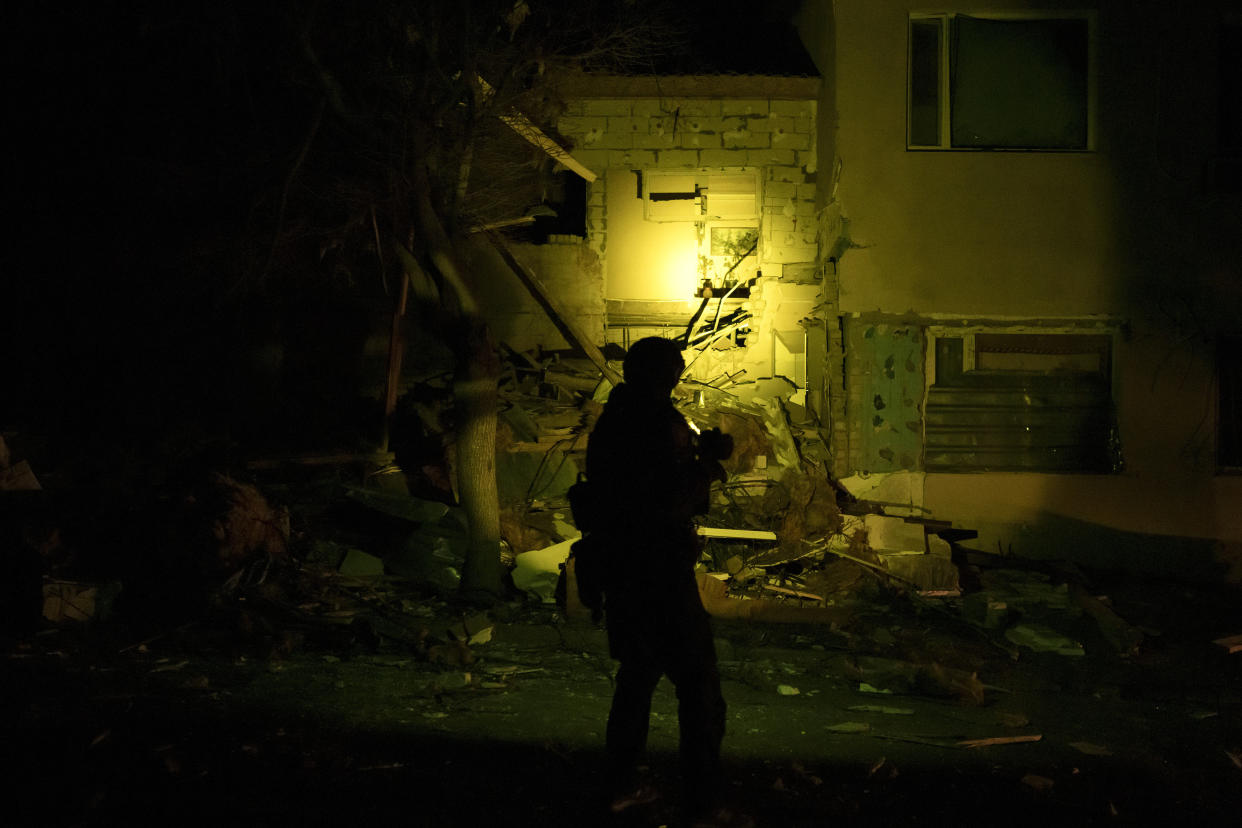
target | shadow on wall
x=1056, y=537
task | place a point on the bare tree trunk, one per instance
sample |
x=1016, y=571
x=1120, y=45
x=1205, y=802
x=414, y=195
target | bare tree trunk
x=477, y=399
x=475, y=392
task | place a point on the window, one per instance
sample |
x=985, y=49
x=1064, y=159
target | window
x=1000, y=82
x=1020, y=400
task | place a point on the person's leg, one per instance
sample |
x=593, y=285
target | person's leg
x=628, y=722
x=700, y=711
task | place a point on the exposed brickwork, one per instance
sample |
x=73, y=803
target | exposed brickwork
x=776, y=136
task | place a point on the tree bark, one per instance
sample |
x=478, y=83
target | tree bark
x=477, y=400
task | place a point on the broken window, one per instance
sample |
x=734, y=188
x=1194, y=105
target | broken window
x=1020, y=401
x=729, y=259
x=999, y=82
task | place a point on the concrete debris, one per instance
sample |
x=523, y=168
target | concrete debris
x=1037, y=783
x=537, y=572
x=1124, y=638
x=848, y=727
x=1091, y=749
x=897, y=493
x=359, y=564
x=394, y=504
x=74, y=602
x=929, y=679
x=929, y=573
x=1043, y=639
x=18, y=478
x=249, y=526
x=894, y=536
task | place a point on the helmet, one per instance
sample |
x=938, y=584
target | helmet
x=654, y=365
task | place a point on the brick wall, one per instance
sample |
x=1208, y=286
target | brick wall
x=774, y=135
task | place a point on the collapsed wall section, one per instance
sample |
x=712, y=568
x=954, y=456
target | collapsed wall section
x=698, y=133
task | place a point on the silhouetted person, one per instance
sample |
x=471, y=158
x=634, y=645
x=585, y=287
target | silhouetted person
x=649, y=476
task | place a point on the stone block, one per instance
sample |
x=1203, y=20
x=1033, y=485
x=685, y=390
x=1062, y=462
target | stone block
x=779, y=189
x=745, y=139
x=804, y=209
x=699, y=140
x=685, y=125
x=787, y=253
x=744, y=106
x=628, y=124
x=655, y=141
x=665, y=125
x=769, y=157
x=806, y=192
x=595, y=160
x=633, y=158
x=724, y=157
x=791, y=140
x=793, y=109
x=649, y=107
x=806, y=125
x=608, y=107
x=580, y=124
x=779, y=224
x=786, y=173
x=808, y=161
x=928, y=572
x=770, y=124
x=802, y=273
x=891, y=536
x=690, y=107
x=677, y=158
x=612, y=140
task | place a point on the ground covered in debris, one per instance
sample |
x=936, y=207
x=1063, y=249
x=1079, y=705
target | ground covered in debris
x=281, y=640
x=207, y=725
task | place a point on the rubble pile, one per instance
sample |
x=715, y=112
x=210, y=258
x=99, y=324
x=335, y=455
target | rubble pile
x=373, y=553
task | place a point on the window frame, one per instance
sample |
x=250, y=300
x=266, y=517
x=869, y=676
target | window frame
x=1109, y=327
x=944, y=122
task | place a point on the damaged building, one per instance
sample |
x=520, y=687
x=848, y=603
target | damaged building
x=999, y=304
x=285, y=498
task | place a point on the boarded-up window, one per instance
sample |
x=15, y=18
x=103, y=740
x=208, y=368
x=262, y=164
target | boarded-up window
x=1021, y=402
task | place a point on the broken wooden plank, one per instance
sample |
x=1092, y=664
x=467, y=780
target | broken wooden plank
x=1000, y=740
x=381, y=458
x=809, y=596
x=1123, y=637
x=1231, y=643
x=524, y=127
x=746, y=534
x=573, y=335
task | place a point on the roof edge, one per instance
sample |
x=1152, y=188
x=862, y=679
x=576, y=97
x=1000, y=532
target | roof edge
x=580, y=85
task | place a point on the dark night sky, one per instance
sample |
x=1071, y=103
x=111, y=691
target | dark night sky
x=140, y=136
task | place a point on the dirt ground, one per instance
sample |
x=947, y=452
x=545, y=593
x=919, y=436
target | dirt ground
x=216, y=726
